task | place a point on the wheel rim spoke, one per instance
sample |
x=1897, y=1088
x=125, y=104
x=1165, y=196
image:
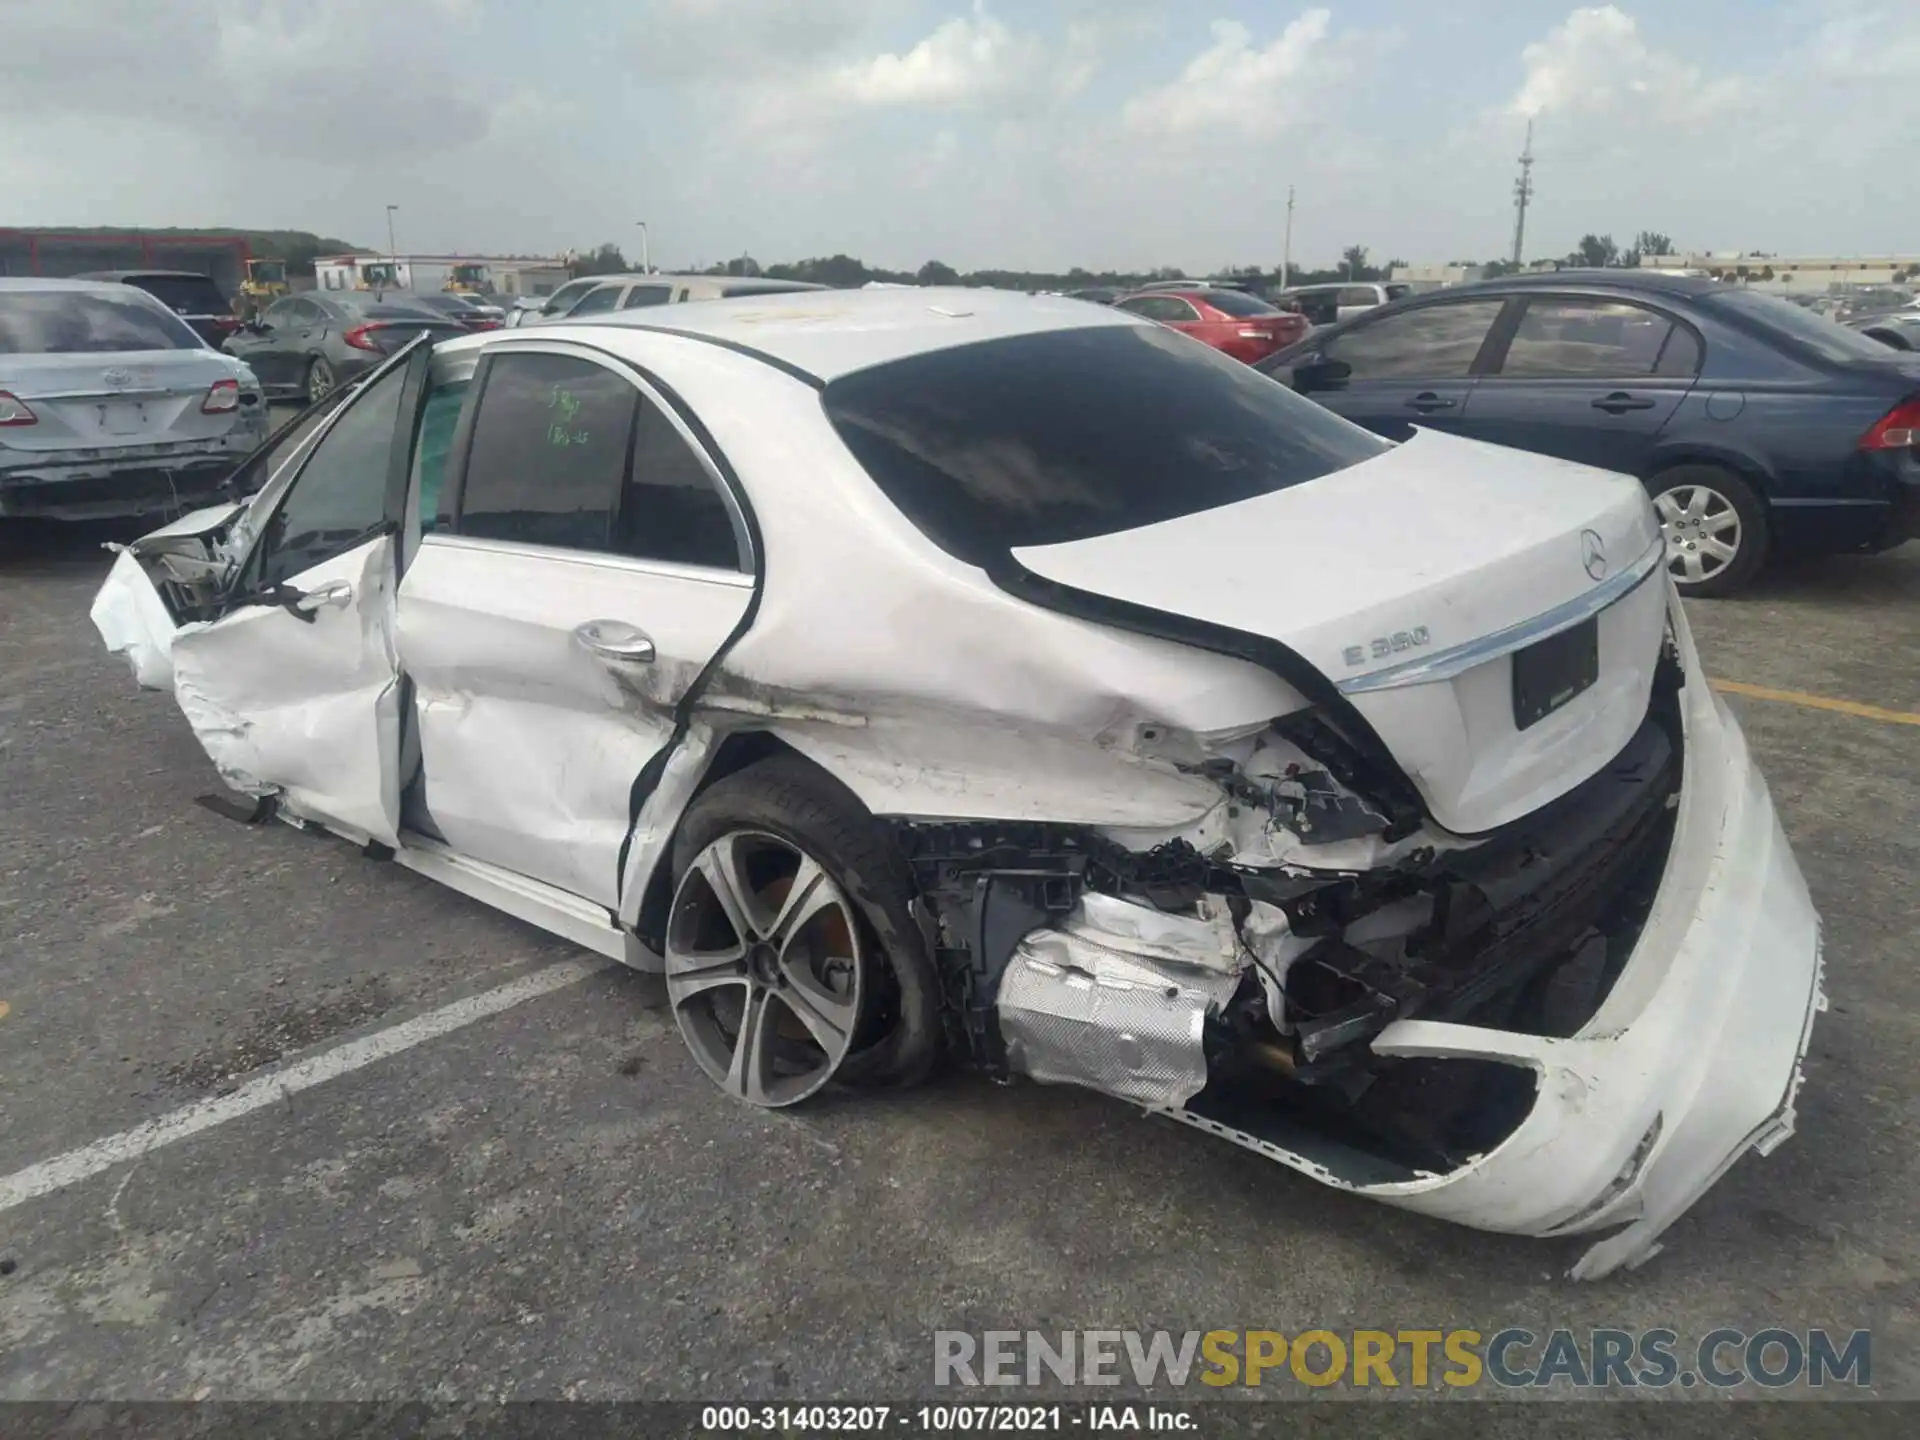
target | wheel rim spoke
x=1697, y=503
x=808, y=895
x=1722, y=523
x=697, y=974
x=829, y=1018
x=1668, y=506
x=1695, y=568
x=720, y=864
x=751, y=1074
x=1718, y=548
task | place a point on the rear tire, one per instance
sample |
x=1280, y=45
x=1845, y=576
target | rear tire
x=1715, y=526
x=320, y=380
x=784, y=803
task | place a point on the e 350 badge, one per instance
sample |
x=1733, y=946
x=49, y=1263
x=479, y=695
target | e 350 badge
x=1381, y=646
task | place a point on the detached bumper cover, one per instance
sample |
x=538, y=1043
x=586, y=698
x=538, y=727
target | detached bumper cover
x=1694, y=1059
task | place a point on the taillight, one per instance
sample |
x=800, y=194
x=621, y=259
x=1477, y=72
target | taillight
x=14, y=411
x=1256, y=335
x=222, y=396
x=1898, y=429
x=360, y=337
x=483, y=324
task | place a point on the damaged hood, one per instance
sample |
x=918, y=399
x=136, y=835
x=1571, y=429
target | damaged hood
x=1410, y=581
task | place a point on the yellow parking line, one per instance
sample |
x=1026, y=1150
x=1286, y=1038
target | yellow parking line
x=1818, y=702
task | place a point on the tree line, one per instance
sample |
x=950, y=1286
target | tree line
x=845, y=272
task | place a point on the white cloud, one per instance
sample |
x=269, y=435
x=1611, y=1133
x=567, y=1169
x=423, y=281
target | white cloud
x=966, y=59
x=1234, y=85
x=1596, y=63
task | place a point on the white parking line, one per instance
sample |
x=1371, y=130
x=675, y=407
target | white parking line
x=89, y=1160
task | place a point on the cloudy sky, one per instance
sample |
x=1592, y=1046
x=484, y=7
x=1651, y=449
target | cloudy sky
x=1019, y=133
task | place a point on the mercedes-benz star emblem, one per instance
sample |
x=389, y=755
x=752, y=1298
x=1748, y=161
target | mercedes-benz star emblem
x=117, y=376
x=1593, y=555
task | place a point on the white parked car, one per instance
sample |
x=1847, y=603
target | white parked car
x=111, y=405
x=907, y=672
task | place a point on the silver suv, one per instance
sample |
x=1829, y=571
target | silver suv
x=599, y=294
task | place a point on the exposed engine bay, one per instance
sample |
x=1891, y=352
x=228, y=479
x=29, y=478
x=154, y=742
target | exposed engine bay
x=1236, y=975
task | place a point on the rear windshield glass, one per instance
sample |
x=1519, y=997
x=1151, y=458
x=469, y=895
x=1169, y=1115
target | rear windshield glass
x=734, y=292
x=83, y=322
x=1238, y=303
x=1040, y=439
x=1827, y=338
x=184, y=294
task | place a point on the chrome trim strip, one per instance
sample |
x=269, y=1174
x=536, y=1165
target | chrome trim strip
x=1446, y=664
x=442, y=540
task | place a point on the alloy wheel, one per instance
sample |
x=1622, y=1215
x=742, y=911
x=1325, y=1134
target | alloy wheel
x=319, y=381
x=764, y=970
x=1702, y=530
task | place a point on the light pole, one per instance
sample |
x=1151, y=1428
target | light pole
x=393, y=251
x=1286, y=255
x=646, y=262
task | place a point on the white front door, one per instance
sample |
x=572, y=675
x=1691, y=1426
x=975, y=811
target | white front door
x=293, y=690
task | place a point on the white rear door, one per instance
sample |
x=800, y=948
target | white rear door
x=582, y=565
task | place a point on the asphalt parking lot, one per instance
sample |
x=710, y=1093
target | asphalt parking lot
x=550, y=1201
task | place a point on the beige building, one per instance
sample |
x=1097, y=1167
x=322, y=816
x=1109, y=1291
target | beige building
x=1794, y=274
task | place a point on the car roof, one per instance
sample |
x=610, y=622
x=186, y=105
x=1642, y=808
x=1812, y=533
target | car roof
x=825, y=334
x=1647, y=282
x=124, y=275
x=35, y=282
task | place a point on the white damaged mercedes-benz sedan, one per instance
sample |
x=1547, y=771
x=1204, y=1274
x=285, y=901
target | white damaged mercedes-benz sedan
x=899, y=674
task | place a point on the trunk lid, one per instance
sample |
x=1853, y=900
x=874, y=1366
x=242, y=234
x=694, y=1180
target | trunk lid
x=1413, y=581
x=104, y=401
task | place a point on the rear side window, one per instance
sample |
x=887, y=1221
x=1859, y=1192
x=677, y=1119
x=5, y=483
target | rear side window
x=1432, y=342
x=88, y=322
x=184, y=294
x=549, y=453
x=671, y=510
x=1239, y=304
x=641, y=295
x=1584, y=338
x=1359, y=295
x=1042, y=439
x=567, y=453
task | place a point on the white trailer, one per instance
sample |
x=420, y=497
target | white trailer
x=480, y=274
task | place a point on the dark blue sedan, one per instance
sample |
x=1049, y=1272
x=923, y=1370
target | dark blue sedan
x=1759, y=428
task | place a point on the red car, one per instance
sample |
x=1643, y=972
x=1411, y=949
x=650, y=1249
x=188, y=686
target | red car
x=1244, y=326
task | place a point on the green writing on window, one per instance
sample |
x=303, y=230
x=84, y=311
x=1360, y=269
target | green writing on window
x=564, y=405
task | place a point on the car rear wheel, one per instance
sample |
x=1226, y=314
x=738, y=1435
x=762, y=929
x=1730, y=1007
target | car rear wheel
x=320, y=381
x=792, y=956
x=1715, y=528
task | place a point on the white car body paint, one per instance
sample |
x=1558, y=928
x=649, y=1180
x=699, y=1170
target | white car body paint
x=1446, y=568
x=932, y=693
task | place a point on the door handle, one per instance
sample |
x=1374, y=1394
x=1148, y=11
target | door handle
x=614, y=640
x=1426, y=402
x=1620, y=402
x=334, y=595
